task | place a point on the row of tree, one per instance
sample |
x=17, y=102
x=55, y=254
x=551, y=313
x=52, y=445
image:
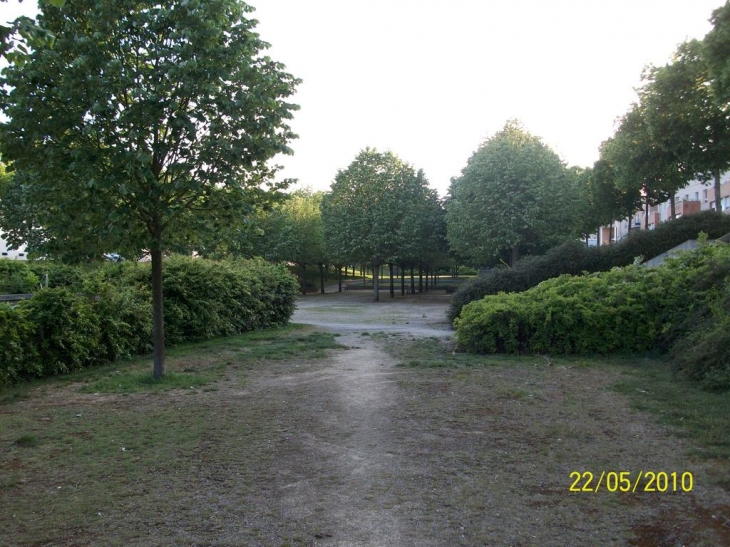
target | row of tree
x=677, y=131
x=380, y=210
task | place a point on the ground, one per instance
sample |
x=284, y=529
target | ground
x=355, y=449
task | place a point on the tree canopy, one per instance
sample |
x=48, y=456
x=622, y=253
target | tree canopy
x=143, y=124
x=513, y=196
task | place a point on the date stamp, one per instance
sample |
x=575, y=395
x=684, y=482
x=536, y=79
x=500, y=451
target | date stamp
x=628, y=481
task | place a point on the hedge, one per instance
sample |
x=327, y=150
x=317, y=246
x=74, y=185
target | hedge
x=682, y=306
x=574, y=257
x=105, y=314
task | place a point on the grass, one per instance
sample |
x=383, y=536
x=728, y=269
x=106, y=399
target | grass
x=702, y=416
x=649, y=383
x=190, y=365
x=75, y=452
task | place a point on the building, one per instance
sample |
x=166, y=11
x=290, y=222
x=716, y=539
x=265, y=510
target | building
x=693, y=198
x=6, y=253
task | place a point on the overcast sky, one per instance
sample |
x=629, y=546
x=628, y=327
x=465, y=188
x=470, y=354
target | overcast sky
x=430, y=80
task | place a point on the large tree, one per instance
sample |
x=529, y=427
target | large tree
x=364, y=213
x=514, y=195
x=642, y=166
x=686, y=118
x=145, y=122
x=291, y=231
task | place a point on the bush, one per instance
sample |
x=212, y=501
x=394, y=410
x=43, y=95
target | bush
x=105, y=313
x=17, y=278
x=67, y=333
x=574, y=257
x=205, y=299
x=682, y=305
x=18, y=353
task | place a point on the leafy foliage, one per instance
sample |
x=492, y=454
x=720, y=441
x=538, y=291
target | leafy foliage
x=574, y=258
x=144, y=126
x=514, y=195
x=630, y=309
x=106, y=315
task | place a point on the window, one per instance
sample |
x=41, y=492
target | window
x=704, y=196
x=697, y=196
x=712, y=205
x=726, y=203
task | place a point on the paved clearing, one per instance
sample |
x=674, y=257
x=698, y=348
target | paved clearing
x=352, y=450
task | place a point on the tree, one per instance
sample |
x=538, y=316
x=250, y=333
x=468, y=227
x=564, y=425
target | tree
x=716, y=53
x=363, y=214
x=513, y=196
x=642, y=166
x=149, y=121
x=686, y=118
x=292, y=232
x=20, y=35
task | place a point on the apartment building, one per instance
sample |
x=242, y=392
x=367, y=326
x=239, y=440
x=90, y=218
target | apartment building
x=693, y=198
x=7, y=254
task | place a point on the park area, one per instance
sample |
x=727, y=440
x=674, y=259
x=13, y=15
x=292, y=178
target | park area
x=362, y=424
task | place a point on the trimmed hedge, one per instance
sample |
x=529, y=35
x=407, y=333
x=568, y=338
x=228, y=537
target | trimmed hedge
x=574, y=257
x=682, y=305
x=106, y=314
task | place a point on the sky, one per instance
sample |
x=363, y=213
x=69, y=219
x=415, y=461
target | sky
x=431, y=80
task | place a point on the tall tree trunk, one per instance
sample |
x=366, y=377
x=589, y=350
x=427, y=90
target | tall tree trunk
x=673, y=205
x=364, y=278
x=646, y=213
x=420, y=278
x=321, y=278
x=514, y=256
x=392, y=287
x=413, y=281
x=158, y=318
x=718, y=204
x=402, y=281
x=428, y=277
x=339, y=278
x=376, y=287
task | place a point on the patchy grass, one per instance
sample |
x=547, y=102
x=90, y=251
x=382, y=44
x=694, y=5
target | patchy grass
x=648, y=382
x=701, y=415
x=113, y=453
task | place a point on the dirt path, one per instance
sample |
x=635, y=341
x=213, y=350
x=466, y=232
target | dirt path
x=403, y=457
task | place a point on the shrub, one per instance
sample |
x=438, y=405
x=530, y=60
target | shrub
x=573, y=257
x=67, y=333
x=682, y=305
x=105, y=312
x=17, y=278
x=18, y=354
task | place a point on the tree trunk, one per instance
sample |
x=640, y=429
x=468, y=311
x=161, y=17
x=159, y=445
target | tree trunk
x=718, y=204
x=420, y=279
x=673, y=205
x=515, y=256
x=428, y=277
x=402, y=281
x=392, y=287
x=304, y=280
x=646, y=213
x=339, y=278
x=158, y=321
x=321, y=278
x=364, y=278
x=376, y=287
x=413, y=282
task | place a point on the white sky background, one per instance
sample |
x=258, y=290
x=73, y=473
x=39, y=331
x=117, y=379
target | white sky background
x=430, y=80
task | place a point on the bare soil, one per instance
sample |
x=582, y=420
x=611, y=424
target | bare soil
x=353, y=450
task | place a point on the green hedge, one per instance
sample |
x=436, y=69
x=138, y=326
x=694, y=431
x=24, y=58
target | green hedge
x=574, y=257
x=105, y=314
x=681, y=306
